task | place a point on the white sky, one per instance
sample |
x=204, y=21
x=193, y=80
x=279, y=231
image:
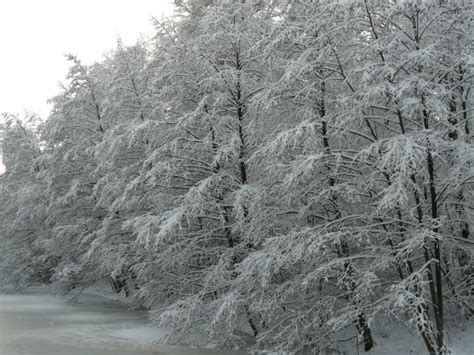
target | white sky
x=35, y=34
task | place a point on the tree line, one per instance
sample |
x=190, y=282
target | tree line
x=286, y=174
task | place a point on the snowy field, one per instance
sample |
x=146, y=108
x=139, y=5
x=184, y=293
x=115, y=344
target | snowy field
x=39, y=324
x=393, y=339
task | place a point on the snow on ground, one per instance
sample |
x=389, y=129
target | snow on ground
x=40, y=324
x=394, y=339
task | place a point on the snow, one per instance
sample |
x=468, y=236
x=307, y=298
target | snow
x=298, y=178
x=394, y=339
x=37, y=324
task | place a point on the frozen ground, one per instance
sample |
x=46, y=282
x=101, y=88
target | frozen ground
x=395, y=340
x=38, y=324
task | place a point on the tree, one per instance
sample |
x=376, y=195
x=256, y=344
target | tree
x=75, y=127
x=381, y=214
x=22, y=211
x=200, y=171
x=283, y=174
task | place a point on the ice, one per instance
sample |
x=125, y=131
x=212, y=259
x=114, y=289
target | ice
x=37, y=324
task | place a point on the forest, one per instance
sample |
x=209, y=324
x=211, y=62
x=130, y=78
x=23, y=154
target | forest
x=276, y=175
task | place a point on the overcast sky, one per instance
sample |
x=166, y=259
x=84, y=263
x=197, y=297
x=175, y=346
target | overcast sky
x=35, y=34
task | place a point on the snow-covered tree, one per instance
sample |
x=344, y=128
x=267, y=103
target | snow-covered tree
x=22, y=210
x=75, y=127
x=286, y=174
x=201, y=171
x=369, y=169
